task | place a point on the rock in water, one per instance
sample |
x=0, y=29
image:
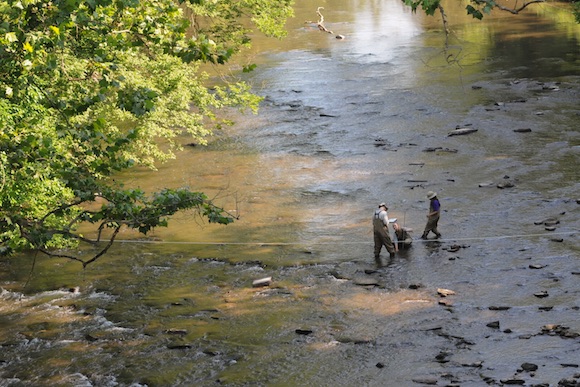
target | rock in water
x=461, y=131
x=529, y=367
x=262, y=282
x=445, y=292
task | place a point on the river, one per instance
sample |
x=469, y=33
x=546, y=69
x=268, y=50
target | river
x=345, y=124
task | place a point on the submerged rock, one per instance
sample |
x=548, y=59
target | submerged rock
x=366, y=281
x=445, y=303
x=513, y=381
x=429, y=381
x=529, y=367
x=499, y=307
x=536, y=266
x=506, y=184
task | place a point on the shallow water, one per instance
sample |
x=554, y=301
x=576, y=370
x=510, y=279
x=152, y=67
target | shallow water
x=345, y=125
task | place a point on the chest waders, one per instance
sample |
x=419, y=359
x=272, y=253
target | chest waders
x=381, y=237
x=432, y=222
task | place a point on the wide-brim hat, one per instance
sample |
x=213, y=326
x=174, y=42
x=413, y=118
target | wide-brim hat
x=431, y=194
x=383, y=205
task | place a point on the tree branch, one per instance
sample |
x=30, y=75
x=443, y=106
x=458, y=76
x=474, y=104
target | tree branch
x=61, y=256
x=103, y=251
x=445, y=24
x=515, y=11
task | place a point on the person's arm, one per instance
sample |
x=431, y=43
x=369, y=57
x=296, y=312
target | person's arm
x=385, y=218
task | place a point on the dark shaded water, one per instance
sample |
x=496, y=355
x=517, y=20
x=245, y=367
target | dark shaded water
x=345, y=125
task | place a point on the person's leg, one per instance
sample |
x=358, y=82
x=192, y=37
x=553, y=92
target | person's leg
x=437, y=233
x=389, y=245
x=430, y=226
x=426, y=231
x=378, y=245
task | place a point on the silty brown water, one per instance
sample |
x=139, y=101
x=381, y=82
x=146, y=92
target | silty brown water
x=345, y=125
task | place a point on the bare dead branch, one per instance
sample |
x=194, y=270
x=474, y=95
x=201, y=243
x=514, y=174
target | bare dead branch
x=515, y=11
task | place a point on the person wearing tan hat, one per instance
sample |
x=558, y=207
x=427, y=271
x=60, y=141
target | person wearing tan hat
x=381, y=233
x=432, y=216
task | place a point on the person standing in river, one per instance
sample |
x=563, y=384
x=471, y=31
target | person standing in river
x=432, y=216
x=381, y=233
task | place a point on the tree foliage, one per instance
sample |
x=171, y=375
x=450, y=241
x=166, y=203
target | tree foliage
x=576, y=6
x=92, y=88
x=479, y=8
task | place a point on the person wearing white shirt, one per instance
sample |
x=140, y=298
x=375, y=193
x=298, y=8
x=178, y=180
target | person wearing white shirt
x=381, y=233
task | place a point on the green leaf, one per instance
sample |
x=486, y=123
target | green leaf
x=249, y=68
x=474, y=12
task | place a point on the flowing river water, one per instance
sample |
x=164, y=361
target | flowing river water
x=345, y=124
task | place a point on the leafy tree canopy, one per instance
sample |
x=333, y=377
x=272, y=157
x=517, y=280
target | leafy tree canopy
x=91, y=88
